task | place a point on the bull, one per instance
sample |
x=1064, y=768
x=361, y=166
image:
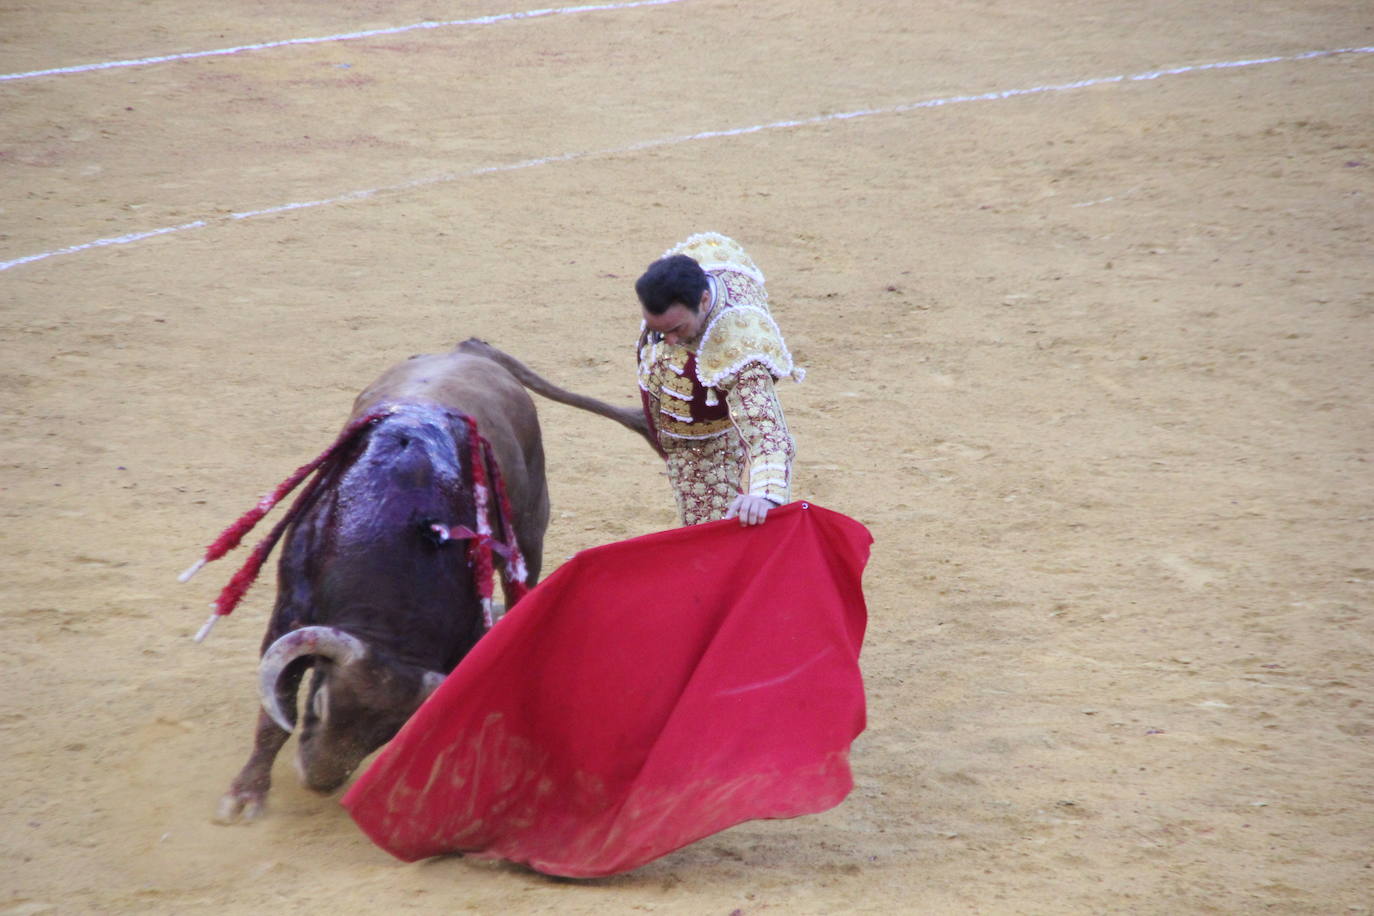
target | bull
x=377, y=597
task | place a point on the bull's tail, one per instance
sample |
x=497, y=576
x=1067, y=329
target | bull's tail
x=632, y=418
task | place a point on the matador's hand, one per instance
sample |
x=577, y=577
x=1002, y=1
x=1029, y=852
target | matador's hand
x=750, y=510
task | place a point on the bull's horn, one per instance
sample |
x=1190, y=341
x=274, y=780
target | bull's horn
x=277, y=698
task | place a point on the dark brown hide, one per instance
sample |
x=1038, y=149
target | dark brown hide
x=360, y=568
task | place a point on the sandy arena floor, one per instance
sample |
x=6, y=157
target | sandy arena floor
x=1092, y=362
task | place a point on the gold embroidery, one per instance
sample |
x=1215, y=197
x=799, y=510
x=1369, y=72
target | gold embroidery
x=738, y=357
x=705, y=477
x=662, y=374
x=758, y=417
x=739, y=336
x=742, y=290
x=699, y=429
x=714, y=251
x=679, y=387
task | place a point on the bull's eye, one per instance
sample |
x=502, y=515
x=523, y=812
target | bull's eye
x=319, y=704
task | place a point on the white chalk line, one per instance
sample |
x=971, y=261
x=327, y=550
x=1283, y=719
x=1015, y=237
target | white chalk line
x=1106, y=200
x=673, y=141
x=345, y=36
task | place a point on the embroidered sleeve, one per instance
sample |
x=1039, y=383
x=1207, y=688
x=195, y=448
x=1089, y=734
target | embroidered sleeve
x=756, y=413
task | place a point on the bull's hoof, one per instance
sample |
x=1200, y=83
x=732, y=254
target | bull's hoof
x=240, y=807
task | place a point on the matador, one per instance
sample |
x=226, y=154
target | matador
x=709, y=353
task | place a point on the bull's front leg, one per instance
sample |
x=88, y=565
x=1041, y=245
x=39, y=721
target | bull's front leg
x=247, y=794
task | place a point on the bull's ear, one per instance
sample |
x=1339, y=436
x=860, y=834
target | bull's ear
x=429, y=683
x=319, y=701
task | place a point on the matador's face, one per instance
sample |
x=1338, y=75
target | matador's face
x=679, y=324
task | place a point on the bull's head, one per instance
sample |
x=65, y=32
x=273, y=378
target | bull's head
x=358, y=699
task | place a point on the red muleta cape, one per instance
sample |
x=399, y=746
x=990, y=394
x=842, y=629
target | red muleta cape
x=649, y=693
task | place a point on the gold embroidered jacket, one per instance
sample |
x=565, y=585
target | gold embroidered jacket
x=739, y=355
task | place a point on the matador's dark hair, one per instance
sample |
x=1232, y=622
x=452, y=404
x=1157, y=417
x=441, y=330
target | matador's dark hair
x=677, y=279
